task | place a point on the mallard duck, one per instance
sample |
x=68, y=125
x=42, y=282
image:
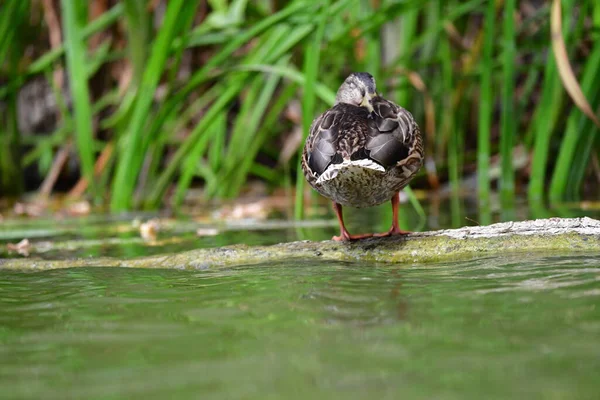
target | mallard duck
x=362, y=151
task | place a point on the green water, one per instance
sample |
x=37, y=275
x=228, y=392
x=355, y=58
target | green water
x=511, y=327
x=523, y=326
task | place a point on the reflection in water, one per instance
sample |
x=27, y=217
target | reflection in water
x=334, y=330
x=103, y=236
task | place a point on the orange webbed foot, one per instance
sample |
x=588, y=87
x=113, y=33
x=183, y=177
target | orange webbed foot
x=346, y=237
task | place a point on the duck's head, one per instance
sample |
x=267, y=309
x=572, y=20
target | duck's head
x=358, y=89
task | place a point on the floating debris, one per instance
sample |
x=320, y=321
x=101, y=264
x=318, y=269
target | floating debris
x=255, y=211
x=584, y=205
x=22, y=247
x=30, y=209
x=149, y=230
x=79, y=208
x=207, y=232
x=258, y=209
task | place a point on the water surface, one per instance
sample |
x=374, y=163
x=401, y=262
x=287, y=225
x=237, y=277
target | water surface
x=505, y=327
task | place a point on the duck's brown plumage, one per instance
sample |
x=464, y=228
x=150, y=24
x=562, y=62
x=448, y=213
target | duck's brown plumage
x=362, y=155
x=388, y=136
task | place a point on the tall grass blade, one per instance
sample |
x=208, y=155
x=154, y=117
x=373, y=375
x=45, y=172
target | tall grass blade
x=312, y=57
x=249, y=135
x=138, y=36
x=448, y=129
x=76, y=57
x=102, y=22
x=201, y=75
x=8, y=16
x=414, y=201
x=564, y=66
x=324, y=93
x=11, y=172
x=408, y=24
x=580, y=142
x=486, y=108
x=372, y=60
x=543, y=125
x=508, y=126
x=578, y=139
x=544, y=121
x=589, y=144
x=132, y=150
x=155, y=197
x=194, y=161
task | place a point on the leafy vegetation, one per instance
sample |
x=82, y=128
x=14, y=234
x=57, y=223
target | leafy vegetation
x=151, y=96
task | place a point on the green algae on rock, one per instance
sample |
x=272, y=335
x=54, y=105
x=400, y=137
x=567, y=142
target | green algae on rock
x=544, y=235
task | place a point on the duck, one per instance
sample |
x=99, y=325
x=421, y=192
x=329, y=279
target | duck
x=362, y=152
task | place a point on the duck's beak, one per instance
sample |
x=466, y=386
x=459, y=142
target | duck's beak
x=366, y=101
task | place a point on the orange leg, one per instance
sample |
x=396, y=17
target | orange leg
x=395, y=229
x=344, y=234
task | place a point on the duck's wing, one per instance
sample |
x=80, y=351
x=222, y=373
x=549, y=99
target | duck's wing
x=333, y=136
x=395, y=138
x=321, y=144
x=388, y=137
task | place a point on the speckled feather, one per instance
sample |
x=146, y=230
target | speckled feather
x=360, y=158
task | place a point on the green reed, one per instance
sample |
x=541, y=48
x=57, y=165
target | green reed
x=486, y=107
x=133, y=146
x=312, y=55
x=580, y=139
x=76, y=62
x=208, y=97
x=507, y=122
x=11, y=24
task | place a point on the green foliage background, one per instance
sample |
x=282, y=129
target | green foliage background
x=162, y=94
